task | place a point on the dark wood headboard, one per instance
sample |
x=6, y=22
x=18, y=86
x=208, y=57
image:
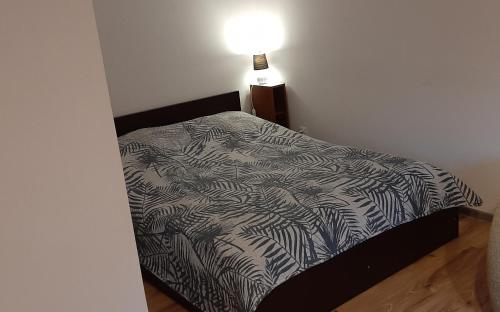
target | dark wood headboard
x=178, y=112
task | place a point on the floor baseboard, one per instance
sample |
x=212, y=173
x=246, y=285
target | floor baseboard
x=475, y=213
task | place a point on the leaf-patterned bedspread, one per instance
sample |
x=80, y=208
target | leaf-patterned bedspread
x=227, y=207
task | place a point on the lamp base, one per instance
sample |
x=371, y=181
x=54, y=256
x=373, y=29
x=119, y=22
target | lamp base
x=261, y=80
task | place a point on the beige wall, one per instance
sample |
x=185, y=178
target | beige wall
x=66, y=241
x=418, y=78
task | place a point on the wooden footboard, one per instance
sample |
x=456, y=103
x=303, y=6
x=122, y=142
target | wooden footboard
x=328, y=285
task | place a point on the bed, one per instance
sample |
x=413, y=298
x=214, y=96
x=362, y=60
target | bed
x=234, y=213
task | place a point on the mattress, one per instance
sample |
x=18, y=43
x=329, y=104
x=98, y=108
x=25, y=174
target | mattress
x=227, y=207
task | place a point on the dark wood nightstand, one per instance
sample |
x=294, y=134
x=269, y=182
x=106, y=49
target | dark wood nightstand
x=270, y=103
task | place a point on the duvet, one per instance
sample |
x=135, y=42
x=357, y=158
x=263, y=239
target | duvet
x=227, y=207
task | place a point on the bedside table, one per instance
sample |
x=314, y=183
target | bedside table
x=269, y=102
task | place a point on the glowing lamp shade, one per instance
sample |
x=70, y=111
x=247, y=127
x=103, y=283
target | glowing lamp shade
x=260, y=62
x=254, y=33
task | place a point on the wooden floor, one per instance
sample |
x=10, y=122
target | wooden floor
x=452, y=278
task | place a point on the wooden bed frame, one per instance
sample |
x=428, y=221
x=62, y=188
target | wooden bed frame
x=179, y=112
x=328, y=285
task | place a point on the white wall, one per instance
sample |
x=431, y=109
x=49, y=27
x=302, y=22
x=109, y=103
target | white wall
x=418, y=78
x=159, y=52
x=66, y=240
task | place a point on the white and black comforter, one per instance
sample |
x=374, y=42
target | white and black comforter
x=227, y=207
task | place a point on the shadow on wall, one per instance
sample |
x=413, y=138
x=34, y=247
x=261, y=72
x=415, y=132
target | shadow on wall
x=299, y=108
x=246, y=102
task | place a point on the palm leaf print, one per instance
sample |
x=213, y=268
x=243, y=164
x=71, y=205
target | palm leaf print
x=227, y=207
